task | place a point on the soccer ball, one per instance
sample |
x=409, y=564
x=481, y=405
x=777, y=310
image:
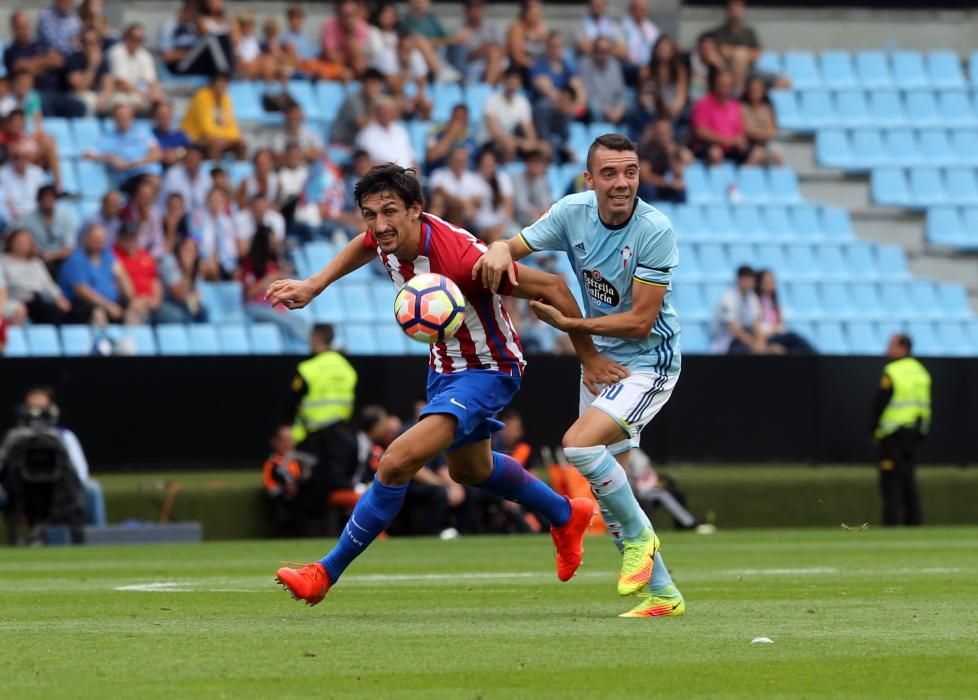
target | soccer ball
x=429, y=308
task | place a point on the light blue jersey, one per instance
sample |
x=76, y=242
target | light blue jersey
x=608, y=262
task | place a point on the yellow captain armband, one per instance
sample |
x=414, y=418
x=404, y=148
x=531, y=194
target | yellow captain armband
x=523, y=241
x=651, y=284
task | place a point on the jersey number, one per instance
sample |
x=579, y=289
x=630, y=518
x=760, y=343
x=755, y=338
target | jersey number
x=611, y=392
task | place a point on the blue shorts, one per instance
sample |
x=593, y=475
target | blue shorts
x=473, y=397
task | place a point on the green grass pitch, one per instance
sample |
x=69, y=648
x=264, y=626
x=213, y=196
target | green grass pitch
x=881, y=614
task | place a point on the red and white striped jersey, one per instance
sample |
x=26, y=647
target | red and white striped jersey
x=487, y=338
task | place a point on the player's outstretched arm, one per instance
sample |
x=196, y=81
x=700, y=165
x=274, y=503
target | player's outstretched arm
x=637, y=322
x=295, y=294
x=555, y=293
x=497, y=263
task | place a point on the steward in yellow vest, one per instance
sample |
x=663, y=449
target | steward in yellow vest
x=901, y=419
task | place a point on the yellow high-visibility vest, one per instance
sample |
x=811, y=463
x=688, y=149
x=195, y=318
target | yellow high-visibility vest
x=331, y=384
x=910, y=404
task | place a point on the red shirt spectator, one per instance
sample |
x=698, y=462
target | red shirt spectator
x=344, y=36
x=141, y=268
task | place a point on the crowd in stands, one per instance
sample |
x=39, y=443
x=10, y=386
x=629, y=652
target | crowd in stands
x=178, y=212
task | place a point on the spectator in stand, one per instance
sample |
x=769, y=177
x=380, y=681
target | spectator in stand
x=222, y=181
x=414, y=102
x=262, y=181
x=107, y=216
x=258, y=213
x=597, y=24
x=421, y=20
x=604, y=83
x=706, y=59
x=559, y=96
x=92, y=16
x=737, y=318
x=59, y=27
x=29, y=282
x=508, y=125
x=292, y=176
x=142, y=218
x=176, y=223
x=643, y=110
x=210, y=122
x=46, y=64
x=670, y=76
x=494, y=218
x=41, y=149
x=134, y=70
x=382, y=44
x=282, y=479
x=52, y=227
x=740, y=46
x=12, y=311
x=277, y=52
x=526, y=38
x=777, y=337
x=173, y=143
x=88, y=75
x=456, y=191
x=94, y=281
x=20, y=181
x=760, y=122
x=296, y=131
x=213, y=22
x=344, y=42
x=325, y=206
x=146, y=300
x=718, y=125
x=182, y=50
x=385, y=138
x=180, y=274
x=294, y=36
x=476, y=48
x=662, y=162
x=445, y=137
x=357, y=108
x=129, y=151
x=249, y=62
x=532, y=197
x=218, y=238
x=261, y=266
x=22, y=96
x=190, y=179
x=640, y=35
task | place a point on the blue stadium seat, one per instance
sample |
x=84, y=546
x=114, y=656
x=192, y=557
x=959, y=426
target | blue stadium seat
x=355, y=298
x=923, y=297
x=172, y=339
x=329, y=308
x=944, y=69
x=865, y=300
x=953, y=340
x=962, y=187
x=600, y=128
x=836, y=224
x=476, y=95
x=900, y=147
x=786, y=108
x=770, y=256
x=266, y=339
x=419, y=131
x=239, y=171
x=925, y=342
x=926, y=187
x=851, y=108
x=829, y=338
x=445, y=96
x=319, y=253
x=233, y=339
x=801, y=68
x=719, y=222
x=358, y=339
x=867, y=149
x=955, y=108
x=59, y=129
x=76, y=341
x=697, y=184
x=944, y=226
x=689, y=263
x=247, y=103
x=892, y=262
x=908, y=69
x=862, y=339
x=964, y=144
x=777, y=222
x=922, y=109
x=223, y=301
x=691, y=302
x=92, y=179
x=141, y=337
x=861, y=261
x=801, y=301
x=714, y=262
x=303, y=92
x=382, y=299
x=721, y=178
x=753, y=186
x=741, y=254
x=816, y=109
x=832, y=148
x=87, y=131
x=935, y=146
x=391, y=339
x=830, y=262
x=895, y=298
x=837, y=70
x=580, y=139
x=889, y=187
x=805, y=222
x=748, y=223
x=954, y=301
x=203, y=339
x=969, y=222
x=971, y=330
x=836, y=301
x=689, y=223
x=43, y=341
x=800, y=263
x=886, y=108
x=330, y=96
x=784, y=185
x=873, y=70
x=69, y=177
x=769, y=62
x=696, y=339
x=16, y=343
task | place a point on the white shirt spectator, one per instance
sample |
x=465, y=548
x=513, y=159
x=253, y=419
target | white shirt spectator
x=733, y=307
x=640, y=38
x=291, y=181
x=137, y=69
x=306, y=138
x=508, y=114
x=489, y=216
x=248, y=48
x=244, y=222
x=272, y=194
x=217, y=238
x=20, y=191
x=604, y=26
x=387, y=144
x=466, y=186
x=193, y=190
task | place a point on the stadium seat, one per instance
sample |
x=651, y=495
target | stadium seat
x=836, y=224
x=801, y=301
x=805, y=223
x=944, y=69
x=816, y=109
x=355, y=298
x=266, y=339
x=889, y=187
x=749, y=224
x=689, y=263
x=969, y=223
x=319, y=253
x=895, y=298
x=953, y=340
x=59, y=129
x=76, y=341
x=476, y=95
x=691, y=302
x=741, y=254
x=381, y=299
x=955, y=108
x=203, y=339
x=831, y=264
x=419, y=131
x=786, y=108
x=719, y=222
x=851, y=108
x=329, y=308
x=872, y=69
x=924, y=299
x=908, y=69
x=223, y=301
x=689, y=222
x=865, y=300
x=886, y=108
x=862, y=339
x=964, y=145
x=303, y=92
x=247, y=102
x=172, y=339
x=770, y=256
x=330, y=96
x=695, y=339
x=800, y=263
x=861, y=262
x=721, y=178
x=16, y=343
x=925, y=342
x=391, y=339
x=92, y=179
x=784, y=185
x=836, y=301
x=239, y=171
x=233, y=339
x=142, y=339
x=829, y=338
x=69, y=178
x=43, y=341
x=358, y=339
x=769, y=62
x=922, y=109
x=753, y=186
x=87, y=131
x=776, y=221
x=832, y=148
x=867, y=149
x=714, y=262
x=900, y=146
x=935, y=146
x=836, y=69
x=445, y=96
x=944, y=226
x=954, y=301
x=892, y=262
x=801, y=68
x=962, y=187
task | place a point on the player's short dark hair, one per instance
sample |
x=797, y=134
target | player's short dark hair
x=324, y=332
x=390, y=177
x=904, y=341
x=613, y=142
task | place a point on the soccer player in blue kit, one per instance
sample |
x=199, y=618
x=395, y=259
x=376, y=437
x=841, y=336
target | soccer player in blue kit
x=623, y=251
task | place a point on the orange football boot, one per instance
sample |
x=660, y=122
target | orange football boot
x=310, y=583
x=569, y=538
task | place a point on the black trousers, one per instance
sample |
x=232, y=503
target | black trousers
x=335, y=448
x=898, y=482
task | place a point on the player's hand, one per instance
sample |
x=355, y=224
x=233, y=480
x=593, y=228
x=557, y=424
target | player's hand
x=550, y=315
x=292, y=294
x=599, y=370
x=494, y=263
